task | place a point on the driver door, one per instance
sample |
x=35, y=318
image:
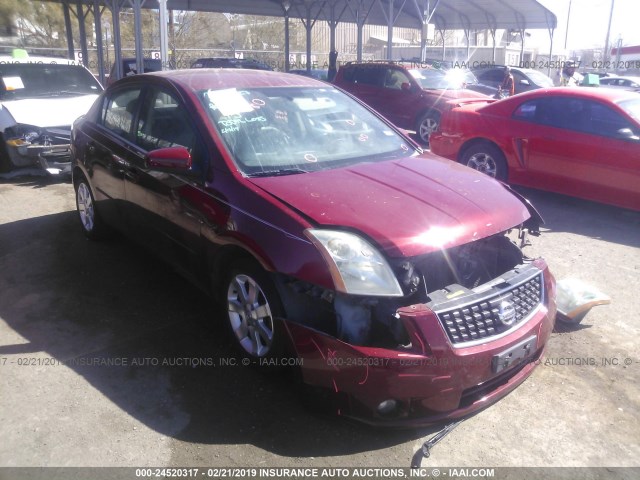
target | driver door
x=159, y=199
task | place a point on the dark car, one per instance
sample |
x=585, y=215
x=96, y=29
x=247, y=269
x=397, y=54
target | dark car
x=524, y=79
x=230, y=62
x=326, y=234
x=129, y=67
x=392, y=90
x=583, y=142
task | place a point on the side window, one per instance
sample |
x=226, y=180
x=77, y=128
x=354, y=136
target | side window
x=545, y=111
x=118, y=111
x=349, y=74
x=518, y=79
x=492, y=76
x=395, y=78
x=369, y=76
x=529, y=112
x=607, y=122
x=164, y=123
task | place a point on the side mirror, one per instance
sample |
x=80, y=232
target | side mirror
x=627, y=134
x=524, y=81
x=405, y=86
x=176, y=158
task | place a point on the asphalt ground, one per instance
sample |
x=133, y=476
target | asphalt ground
x=70, y=309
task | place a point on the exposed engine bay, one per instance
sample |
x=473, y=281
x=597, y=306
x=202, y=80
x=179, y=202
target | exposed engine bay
x=372, y=321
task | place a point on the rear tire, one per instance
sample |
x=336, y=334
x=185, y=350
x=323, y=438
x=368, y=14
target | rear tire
x=487, y=159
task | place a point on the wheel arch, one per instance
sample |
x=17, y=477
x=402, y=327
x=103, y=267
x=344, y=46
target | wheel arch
x=424, y=111
x=472, y=143
x=220, y=260
x=489, y=143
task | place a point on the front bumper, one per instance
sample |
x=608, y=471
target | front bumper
x=433, y=380
x=55, y=159
x=446, y=146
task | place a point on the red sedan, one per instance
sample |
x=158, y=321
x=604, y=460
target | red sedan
x=582, y=142
x=395, y=277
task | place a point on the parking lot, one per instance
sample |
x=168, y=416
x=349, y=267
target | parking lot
x=108, y=358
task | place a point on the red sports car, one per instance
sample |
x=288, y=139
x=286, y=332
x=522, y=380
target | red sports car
x=583, y=142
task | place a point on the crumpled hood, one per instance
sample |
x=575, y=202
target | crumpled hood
x=408, y=207
x=49, y=112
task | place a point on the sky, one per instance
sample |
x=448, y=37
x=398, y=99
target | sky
x=588, y=23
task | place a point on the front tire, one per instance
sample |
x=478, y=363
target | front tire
x=253, y=311
x=487, y=159
x=90, y=219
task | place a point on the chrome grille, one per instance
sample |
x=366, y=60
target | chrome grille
x=484, y=319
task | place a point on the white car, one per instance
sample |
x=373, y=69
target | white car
x=632, y=83
x=40, y=97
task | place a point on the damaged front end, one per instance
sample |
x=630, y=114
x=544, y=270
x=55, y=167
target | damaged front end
x=467, y=326
x=48, y=148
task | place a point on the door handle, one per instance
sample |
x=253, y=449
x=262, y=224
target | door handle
x=132, y=175
x=120, y=161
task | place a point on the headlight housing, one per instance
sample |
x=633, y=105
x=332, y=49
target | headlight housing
x=356, y=267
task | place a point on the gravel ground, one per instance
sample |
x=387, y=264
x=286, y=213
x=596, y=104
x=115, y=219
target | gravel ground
x=67, y=300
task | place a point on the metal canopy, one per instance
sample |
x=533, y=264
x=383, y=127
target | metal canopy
x=467, y=15
x=446, y=14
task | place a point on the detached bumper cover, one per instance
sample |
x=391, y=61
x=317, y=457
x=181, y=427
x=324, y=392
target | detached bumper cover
x=435, y=379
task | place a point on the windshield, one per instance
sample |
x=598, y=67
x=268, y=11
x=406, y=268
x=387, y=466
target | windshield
x=290, y=130
x=632, y=107
x=540, y=79
x=38, y=80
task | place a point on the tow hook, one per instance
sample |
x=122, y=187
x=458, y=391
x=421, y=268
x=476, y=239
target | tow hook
x=425, y=450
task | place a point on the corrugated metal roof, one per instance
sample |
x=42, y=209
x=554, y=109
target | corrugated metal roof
x=449, y=14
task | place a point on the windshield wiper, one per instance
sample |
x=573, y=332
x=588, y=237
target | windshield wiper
x=279, y=173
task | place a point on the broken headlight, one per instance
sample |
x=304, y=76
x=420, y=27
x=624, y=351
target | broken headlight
x=356, y=267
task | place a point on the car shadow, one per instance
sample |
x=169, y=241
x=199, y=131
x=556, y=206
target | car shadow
x=153, y=344
x=562, y=213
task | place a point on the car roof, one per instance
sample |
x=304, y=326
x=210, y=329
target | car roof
x=501, y=67
x=39, y=60
x=607, y=94
x=377, y=63
x=231, y=61
x=218, y=78
x=624, y=77
x=145, y=59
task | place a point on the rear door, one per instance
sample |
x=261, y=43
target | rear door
x=400, y=98
x=366, y=83
x=108, y=150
